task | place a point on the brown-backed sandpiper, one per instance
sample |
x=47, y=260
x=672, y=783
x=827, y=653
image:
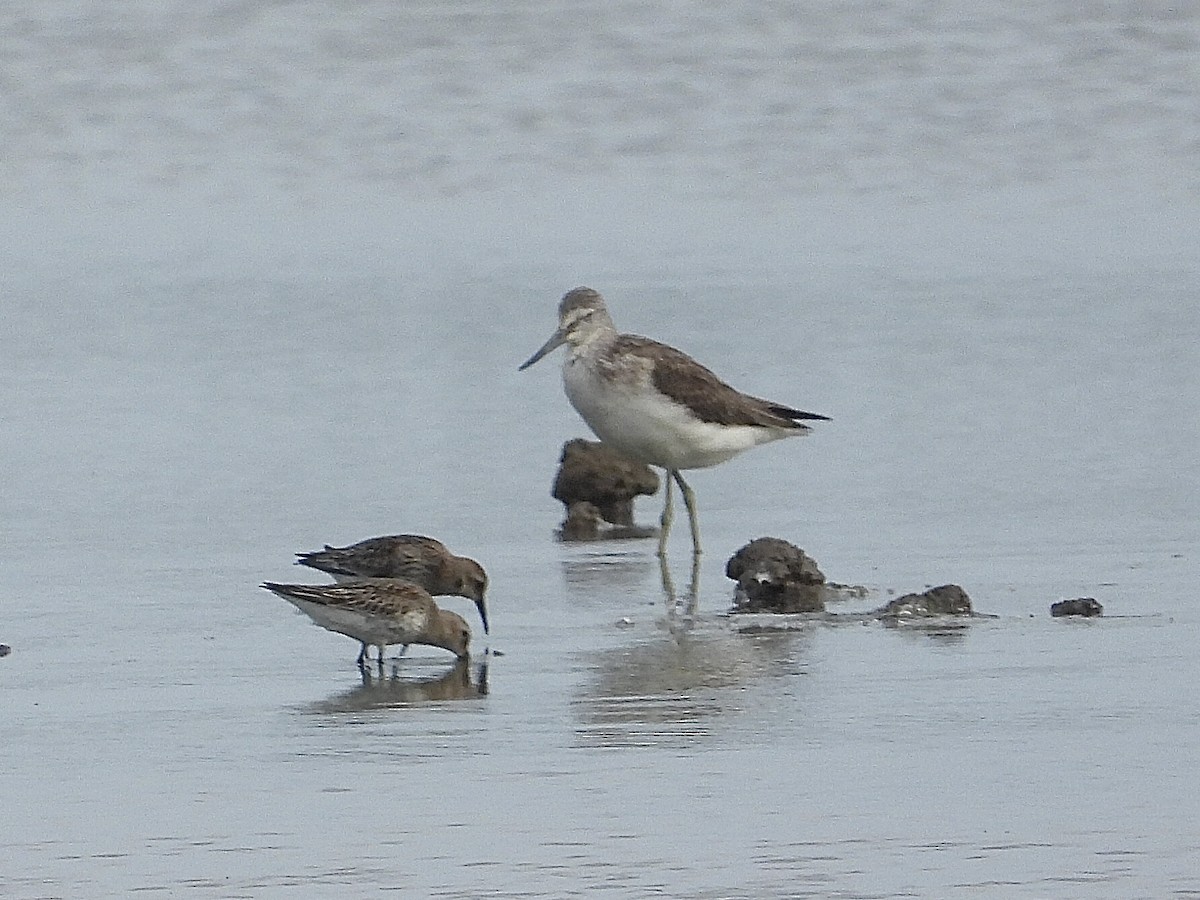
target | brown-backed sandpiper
x=411, y=557
x=377, y=612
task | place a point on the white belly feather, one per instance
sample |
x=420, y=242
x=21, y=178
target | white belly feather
x=647, y=426
x=372, y=629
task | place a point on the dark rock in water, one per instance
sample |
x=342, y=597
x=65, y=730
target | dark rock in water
x=774, y=575
x=5, y=649
x=783, y=558
x=589, y=471
x=947, y=600
x=1081, y=606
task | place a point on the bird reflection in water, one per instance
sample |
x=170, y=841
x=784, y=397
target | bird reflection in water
x=672, y=689
x=671, y=692
x=949, y=631
x=600, y=574
x=675, y=691
x=402, y=687
x=681, y=611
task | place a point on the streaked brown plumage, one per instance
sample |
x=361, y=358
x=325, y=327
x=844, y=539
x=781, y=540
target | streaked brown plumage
x=411, y=557
x=378, y=612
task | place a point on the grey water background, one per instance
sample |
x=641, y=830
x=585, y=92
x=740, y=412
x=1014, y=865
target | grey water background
x=267, y=273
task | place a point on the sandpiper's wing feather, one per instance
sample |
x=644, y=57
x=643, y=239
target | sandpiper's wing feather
x=347, y=561
x=379, y=611
x=391, y=556
x=372, y=597
x=678, y=376
x=417, y=558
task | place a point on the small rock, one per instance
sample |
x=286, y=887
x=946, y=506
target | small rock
x=592, y=472
x=774, y=575
x=5, y=649
x=583, y=522
x=1081, y=606
x=624, y=622
x=947, y=600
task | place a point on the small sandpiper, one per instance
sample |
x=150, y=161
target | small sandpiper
x=377, y=612
x=656, y=404
x=411, y=557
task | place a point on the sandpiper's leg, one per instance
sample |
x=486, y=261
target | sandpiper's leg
x=664, y=524
x=689, y=500
x=380, y=660
x=362, y=654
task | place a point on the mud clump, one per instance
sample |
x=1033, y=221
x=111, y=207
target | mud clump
x=1080, y=606
x=775, y=576
x=947, y=600
x=583, y=522
x=597, y=485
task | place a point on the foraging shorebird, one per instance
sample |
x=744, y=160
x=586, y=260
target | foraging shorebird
x=411, y=557
x=377, y=612
x=656, y=404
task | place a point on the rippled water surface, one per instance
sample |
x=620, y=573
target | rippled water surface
x=268, y=271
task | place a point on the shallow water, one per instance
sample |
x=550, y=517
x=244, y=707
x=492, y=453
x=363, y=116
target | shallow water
x=267, y=276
